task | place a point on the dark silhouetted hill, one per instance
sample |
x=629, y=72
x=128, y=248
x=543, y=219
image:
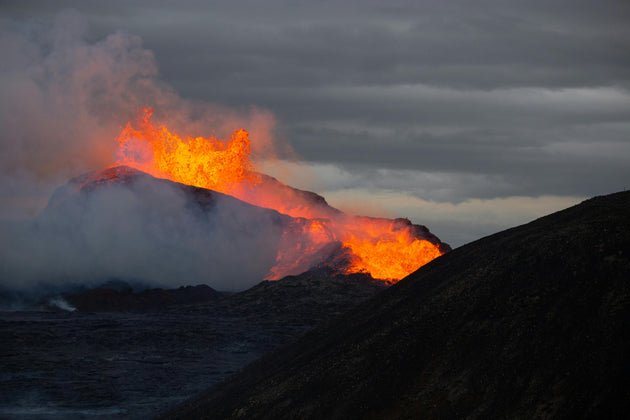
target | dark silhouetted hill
x=305, y=299
x=532, y=322
x=110, y=300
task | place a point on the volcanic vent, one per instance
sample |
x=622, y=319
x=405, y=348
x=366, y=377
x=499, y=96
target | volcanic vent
x=197, y=209
x=387, y=249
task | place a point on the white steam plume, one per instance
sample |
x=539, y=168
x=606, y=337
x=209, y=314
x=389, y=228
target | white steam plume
x=63, y=100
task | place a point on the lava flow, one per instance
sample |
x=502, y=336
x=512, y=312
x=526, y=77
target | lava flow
x=387, y=249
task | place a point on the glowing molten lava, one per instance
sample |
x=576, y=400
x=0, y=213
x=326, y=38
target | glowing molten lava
x=387, y=249
x=202, y=162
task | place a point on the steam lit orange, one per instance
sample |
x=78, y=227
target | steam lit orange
x=386, y=249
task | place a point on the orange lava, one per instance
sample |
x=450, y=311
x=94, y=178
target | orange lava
x=199, y=161
x=387, y=249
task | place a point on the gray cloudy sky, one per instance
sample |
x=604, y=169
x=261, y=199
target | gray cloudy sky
x=465, y=116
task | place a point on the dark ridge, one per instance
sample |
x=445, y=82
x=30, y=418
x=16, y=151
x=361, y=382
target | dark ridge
x=122, y=175
x=306, y=299
x=112, y=300
x=532, y=322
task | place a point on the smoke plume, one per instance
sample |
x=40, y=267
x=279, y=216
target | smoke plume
x=63, y=100
x=147, y=232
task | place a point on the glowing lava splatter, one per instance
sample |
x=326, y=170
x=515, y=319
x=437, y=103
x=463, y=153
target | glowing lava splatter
x=387, y=249
x=199, y=161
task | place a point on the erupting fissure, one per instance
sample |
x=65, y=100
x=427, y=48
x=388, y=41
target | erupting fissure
x=387, y=249
x=202, y=162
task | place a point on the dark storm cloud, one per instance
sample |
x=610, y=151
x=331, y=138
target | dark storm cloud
x=457, y=43
x=538, y=141
x=498, y=88
x=468, y=46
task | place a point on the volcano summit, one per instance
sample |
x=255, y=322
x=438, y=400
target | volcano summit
x=122, y=223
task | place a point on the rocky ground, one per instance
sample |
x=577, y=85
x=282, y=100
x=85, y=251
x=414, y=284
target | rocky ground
x=59, y=365
x=120, y=365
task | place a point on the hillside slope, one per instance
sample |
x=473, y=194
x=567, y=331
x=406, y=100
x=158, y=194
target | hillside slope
x=530, y=322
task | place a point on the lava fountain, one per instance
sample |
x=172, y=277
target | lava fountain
x=387, y=249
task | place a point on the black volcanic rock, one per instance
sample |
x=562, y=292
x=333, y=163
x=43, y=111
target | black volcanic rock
x=110, y=300
x=532, y=322
x=305, y=299
x=133, y=360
